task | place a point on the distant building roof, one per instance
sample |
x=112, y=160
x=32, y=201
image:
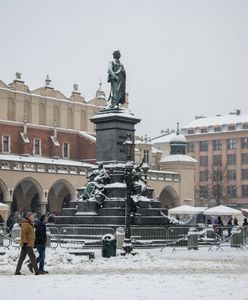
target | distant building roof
x=178, y=157
x=217, y=121
x=166, y=138
x=178, y=138
x=44, y=160
x=88, y=136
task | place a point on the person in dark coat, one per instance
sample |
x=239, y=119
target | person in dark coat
x=27, y=243
x=10, y=222
x=245, y=230
x=219, y=229
x=40, y=243
x=1, y=220
x=229, y=226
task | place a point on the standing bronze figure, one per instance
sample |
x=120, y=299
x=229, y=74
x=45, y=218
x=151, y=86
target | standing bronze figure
x=117, y=78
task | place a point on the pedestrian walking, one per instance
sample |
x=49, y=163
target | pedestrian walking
x=1, y=220
x=40, y=243
x=27, y=243
x=229, y=226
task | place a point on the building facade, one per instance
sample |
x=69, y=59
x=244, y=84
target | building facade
x=47, y=146
x=47, y=142
x=220, y=145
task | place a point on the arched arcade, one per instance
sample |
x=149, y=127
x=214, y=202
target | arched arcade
x=168, y=198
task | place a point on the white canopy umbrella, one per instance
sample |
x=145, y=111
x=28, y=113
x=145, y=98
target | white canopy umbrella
x=186, y=210
x=222, y=210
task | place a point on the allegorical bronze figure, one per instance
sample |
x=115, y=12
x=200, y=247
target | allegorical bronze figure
x=117, y=78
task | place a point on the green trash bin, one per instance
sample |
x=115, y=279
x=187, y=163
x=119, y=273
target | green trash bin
x=108, y=245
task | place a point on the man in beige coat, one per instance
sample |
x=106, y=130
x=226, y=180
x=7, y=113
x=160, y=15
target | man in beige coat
x=27, y=243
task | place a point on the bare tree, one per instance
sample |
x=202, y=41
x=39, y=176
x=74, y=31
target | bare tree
x=215, y=190
x=218, y=188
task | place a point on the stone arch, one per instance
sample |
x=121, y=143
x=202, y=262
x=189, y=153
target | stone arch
x=3, y=191
x=59, y=196
x=27, y=111
x=168, y=197
x=56, y=115
x=42, y=114
x=70, y=118
x=27, y=195
x=11, y=109
x=83, y=120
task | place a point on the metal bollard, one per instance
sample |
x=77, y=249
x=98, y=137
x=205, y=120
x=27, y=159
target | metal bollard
x=120, y=236
x=236, y=237
x=49, y=236
x=192, y=239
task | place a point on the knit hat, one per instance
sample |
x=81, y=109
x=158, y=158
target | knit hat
x=28, y=214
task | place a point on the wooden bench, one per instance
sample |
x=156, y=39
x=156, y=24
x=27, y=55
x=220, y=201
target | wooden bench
x=84, y=253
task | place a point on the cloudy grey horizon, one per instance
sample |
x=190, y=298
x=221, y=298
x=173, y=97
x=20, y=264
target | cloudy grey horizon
x=182, y=58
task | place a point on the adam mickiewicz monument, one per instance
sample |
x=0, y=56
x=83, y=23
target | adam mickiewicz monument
x=102, y=201
x=117, y=78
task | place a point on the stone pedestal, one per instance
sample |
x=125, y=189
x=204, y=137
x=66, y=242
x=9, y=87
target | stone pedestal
x=112, y=128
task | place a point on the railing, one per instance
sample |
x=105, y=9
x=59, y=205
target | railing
x=56, y=168
x=142, y=237
x=83, y=237
x=42, y=167
x=162, y=176
x=4, y=237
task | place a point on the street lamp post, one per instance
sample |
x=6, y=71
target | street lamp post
x=128, y=147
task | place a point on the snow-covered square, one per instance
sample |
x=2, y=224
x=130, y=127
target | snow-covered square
x=151, y=274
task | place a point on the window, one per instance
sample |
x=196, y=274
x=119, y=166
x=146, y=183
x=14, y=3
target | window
x=70, y=118
x=231, y=159
x=217, y=176
x=244, y=143
x=217, y=191
x=231, y=191
x=203, y=146
x=190, y=147
x=244, y=190
x=11, y=109
x=83, y=120
x=6, y=143
x=217, y=145
x=217, y=160
x=231, y=144
x=27, y=111
x=203, y=161
x=231, y=127
x=37, y=147
x=204, y=130
x=245, y=126
x=217, y=129
x=146, y=156
x=56, y=115
x=204, y=176
x=66, y=150
x=244, y=158
x=203, y=192
x=42, y=112
x=244, y=174
x=191, y=131
x=231, y=174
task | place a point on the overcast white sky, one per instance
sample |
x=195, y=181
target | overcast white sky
x=183, y=57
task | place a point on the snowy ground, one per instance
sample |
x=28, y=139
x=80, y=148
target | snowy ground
x=151, y=274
